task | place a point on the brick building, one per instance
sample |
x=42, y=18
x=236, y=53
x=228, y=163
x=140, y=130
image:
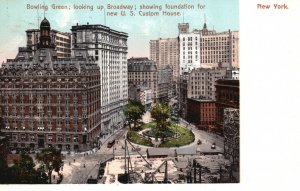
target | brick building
x=46, y=101
x=227, y=96
x=202, y=113
x=61, y=40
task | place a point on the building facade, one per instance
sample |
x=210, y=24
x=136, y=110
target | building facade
x=108, y=48
x=142, y=94
x=144, y=72
x=202, y=82
x=227, y=96
x=182, y=97
x=61, y=40
x=189, y=56
x=207, y=48
x=202, y=113
x=165, y=53
x=46, y=101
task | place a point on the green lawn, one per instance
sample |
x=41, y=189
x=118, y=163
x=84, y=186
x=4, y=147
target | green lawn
x=186, y=137
x=148, y=125
x=134, y=137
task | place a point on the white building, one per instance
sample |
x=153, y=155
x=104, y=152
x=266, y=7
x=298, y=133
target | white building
x=233, y=73
x=109, y=49
x=189, y=48
x=207, y=48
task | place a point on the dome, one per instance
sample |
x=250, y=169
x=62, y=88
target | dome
x=45, y=23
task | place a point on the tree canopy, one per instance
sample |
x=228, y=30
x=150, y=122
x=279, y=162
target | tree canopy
x=134, y=112
x=161, y=113
x=51, y=159
x=22, y=172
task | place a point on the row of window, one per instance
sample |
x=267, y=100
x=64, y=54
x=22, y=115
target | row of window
x=50, y=138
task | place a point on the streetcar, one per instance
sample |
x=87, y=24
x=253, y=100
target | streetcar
x=111, y=143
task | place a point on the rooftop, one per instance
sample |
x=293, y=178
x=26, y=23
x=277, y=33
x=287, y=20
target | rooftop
x=160, y=151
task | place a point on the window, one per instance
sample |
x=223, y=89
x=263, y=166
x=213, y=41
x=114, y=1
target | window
x=23, y=138
x=32, y=138
x=68, y=138
x=75, y=138
x=49, y=138
x=59, y=138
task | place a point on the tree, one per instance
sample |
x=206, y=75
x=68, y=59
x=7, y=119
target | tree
x=134, y=112
x=51, y=159
x=22, y=172
x=4, y=172
x=161, y=113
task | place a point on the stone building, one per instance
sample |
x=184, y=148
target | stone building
x=108, y=48
x=46, y=101
x=142, y=94
x=144, y=72
x=61, y=40
x=165, y=53
x=202, y=82
x=207, y=48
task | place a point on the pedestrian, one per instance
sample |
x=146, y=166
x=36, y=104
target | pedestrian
x=83, y=165
x=54, y=177
x=74, y=160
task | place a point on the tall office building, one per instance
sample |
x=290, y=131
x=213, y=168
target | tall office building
x=165, y=52
x=46, y=101
x=207, y=48
x=189, y=51
x=61, y=40
x=108, y=48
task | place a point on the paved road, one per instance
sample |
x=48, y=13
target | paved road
x=204, y=136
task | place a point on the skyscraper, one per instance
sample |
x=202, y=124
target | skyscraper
x=207, y=48
x=165, y=53
x=108, y=48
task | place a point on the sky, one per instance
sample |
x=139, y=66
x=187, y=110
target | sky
x=17, y=18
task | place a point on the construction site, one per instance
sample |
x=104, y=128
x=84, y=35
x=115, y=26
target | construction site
x=165, y=166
